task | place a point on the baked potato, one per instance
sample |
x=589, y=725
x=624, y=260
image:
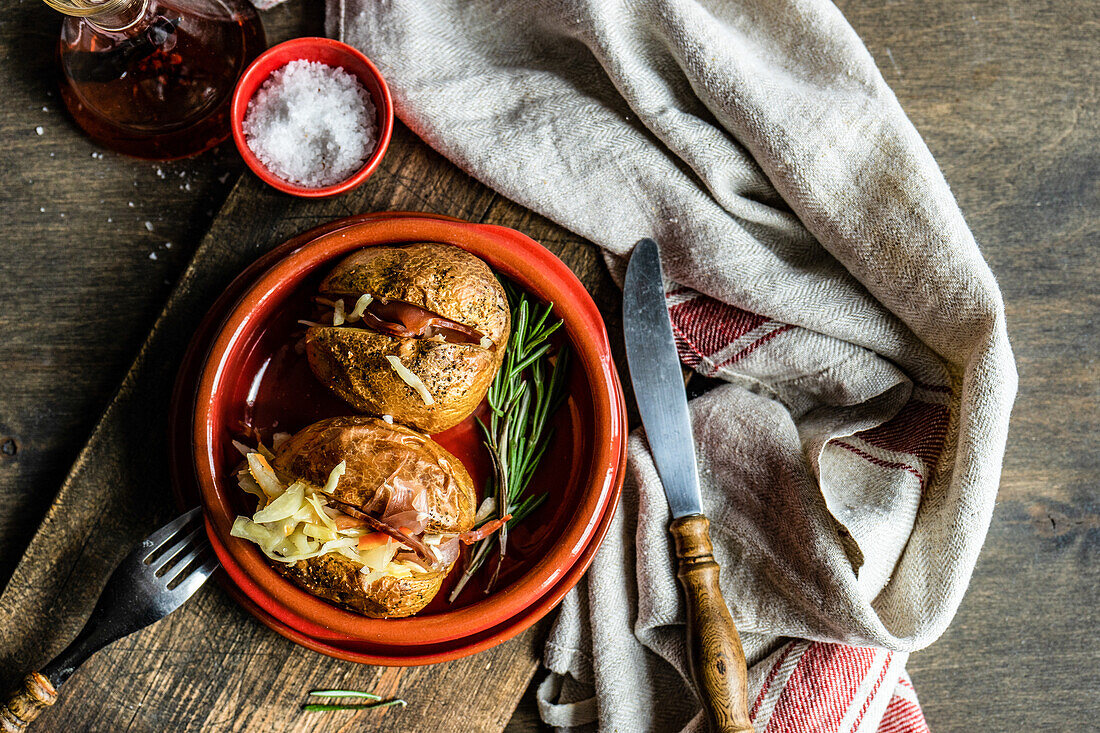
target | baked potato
x=360, y=512
x=418, y=332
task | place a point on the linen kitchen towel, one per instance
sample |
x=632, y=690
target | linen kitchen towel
x=819, y=265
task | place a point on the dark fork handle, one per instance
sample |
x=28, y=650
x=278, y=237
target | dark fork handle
x=26, y=703
x=714, y=649
x=39, y=689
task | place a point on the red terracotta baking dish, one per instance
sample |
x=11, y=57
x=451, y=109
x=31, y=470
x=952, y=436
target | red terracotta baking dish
x=329, y=52
x=366, y=653
x=246, y=376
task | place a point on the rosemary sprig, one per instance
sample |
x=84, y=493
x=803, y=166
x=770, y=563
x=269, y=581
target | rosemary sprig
x=523, y=398
x=377, y=701
x=325, y=708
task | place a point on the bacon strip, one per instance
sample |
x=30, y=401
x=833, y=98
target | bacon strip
x=346, y=521
x=405, y=320
x=469, y=538
x=379, y=526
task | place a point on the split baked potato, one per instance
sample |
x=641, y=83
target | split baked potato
x=360, y=512
x=418, y=333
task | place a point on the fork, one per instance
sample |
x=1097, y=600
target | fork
x=162, y=572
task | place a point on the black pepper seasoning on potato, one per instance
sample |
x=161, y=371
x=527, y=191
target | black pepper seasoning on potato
x=455, y=347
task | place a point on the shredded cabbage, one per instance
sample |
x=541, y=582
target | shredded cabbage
x=247, y=529
x=338, y=313
x=399, y=570
x=318, y=532
x=360, y=308
x=334, y=477
x=265, y=476
x=295, y=522
x=246, y=482
x=410, y=379
x=379, y=556
x=488, y=506
x=486, y=342
x=283, y=506
x=326, y=520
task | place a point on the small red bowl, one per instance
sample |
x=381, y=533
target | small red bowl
x=586, y=477
x=331, y=53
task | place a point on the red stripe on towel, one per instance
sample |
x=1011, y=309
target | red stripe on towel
x=903, y=716
x=871, y=697
x=820, y=690
x=878, y=461
x=704, y=325
x=756, y=344
x=919, y=429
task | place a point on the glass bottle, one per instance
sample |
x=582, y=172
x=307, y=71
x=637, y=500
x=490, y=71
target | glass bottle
x=154, y=78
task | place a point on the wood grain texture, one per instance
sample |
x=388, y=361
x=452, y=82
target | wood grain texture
x=79, y=288
x=1005, y=94
x=23, y=706
x=714, y=649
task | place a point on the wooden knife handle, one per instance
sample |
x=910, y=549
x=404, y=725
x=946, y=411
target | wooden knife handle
x=26, y=703
x=714, y=648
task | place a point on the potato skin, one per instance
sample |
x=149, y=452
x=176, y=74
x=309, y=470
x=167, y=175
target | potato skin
x=440, y=278
x=337, y=579
x=383, y=463
x=352, y=363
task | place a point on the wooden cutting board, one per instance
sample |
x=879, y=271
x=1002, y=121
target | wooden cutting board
x=211, y=666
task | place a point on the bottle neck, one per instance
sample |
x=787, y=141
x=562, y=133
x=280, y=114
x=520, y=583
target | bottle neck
x=106, y=15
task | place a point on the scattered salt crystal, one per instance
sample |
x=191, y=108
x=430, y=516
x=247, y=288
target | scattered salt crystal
x=160, y=173
x=311, y=124
x=42, y=209
x=152, y=255
x=223, y=177
x=130, y=203
x=45, y=109
x=168, y=245
x=388, y=418
x=40, y=130
x=149, y=225
x=109, y=220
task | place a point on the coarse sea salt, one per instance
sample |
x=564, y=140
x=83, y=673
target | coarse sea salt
x=311, y=124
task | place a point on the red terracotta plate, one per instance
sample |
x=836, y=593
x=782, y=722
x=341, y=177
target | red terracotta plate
x=366, y=653
x=251, y=374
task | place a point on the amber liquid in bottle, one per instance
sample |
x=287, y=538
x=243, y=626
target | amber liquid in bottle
x=159, y=88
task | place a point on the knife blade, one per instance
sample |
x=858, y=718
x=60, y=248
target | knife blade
x=658, y=380
x=715, y=655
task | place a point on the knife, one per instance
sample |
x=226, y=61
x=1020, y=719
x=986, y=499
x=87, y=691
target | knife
x=715, y=655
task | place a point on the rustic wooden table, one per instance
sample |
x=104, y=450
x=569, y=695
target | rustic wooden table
x=1004, y=93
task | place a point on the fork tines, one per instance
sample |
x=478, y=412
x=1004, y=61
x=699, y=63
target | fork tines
x=181, y=551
